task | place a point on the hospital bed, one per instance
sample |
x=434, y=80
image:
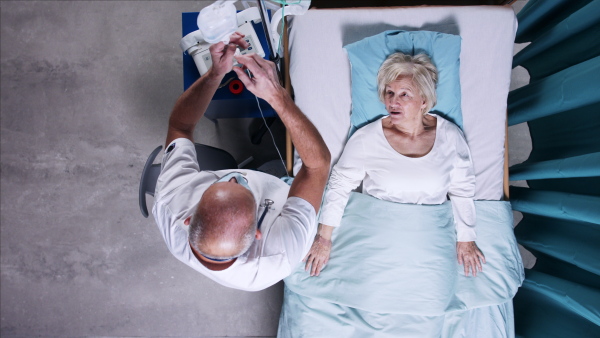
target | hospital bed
x=320, y=75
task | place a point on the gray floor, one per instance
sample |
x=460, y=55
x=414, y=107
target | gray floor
x=86, y=89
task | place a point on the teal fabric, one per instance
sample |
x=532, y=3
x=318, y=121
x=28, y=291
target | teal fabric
x=581, y=300
x=539, y=315
x=572, y=207
x=401, y=259
x=538, y=16
x=586, y=165
x=578, y=245
x=563, y=269
x=367, y=55
x=566, y=134
x=574, y=40
x=586, y=186
x=561, y=218
x=572, y=88
x=316, y=318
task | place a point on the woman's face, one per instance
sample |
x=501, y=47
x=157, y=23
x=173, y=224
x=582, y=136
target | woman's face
x=403, y=100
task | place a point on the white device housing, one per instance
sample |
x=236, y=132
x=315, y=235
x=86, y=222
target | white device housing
x=198, y=48
x=217, y=21
x=298, y=8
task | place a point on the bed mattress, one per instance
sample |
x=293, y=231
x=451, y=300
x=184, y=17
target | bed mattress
x=320, y=73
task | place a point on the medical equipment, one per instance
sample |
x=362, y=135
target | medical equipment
x=267, y=205
x=271, y=133
x=218, y=21
x=215, y=24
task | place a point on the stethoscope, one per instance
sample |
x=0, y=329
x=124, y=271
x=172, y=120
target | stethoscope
x=267, y=205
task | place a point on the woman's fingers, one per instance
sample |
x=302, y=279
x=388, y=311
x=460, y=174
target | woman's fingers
x=309, y=260
x=480, y=259
x=471, y=257
x=320, y=264
x=480, y=254
x=317, y=256
x=314, y=264
x=315, y=268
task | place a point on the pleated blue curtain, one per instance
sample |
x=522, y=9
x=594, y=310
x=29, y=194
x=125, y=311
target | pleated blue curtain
x=561, y=208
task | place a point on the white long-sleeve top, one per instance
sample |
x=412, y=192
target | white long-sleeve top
x=447, y=170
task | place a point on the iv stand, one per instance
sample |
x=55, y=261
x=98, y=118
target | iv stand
x=275, y=58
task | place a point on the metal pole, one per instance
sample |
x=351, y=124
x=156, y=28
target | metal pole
x=266, y=29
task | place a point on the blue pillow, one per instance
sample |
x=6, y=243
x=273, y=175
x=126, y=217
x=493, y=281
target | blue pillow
x=367, y=55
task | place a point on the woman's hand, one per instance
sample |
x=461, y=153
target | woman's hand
x=318, y=255
x=469, y=255
x=222, y=54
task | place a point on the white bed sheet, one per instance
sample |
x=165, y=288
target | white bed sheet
x=320, y=73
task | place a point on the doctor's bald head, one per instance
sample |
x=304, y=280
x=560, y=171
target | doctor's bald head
x=224, y=223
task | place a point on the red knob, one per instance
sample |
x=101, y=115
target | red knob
x=236, y=87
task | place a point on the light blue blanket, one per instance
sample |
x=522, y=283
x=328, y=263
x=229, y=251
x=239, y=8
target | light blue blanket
x=400, y=259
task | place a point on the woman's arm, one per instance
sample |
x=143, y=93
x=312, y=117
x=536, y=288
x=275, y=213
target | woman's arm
x=461, y=193
x=346, y=175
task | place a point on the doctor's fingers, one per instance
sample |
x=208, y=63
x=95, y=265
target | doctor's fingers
x=269, y=69
x=238, y=39
x=228, y=53
x=217, y=50
x=264, y=64
x=246, y=80
x=217, y=47
x=250, y=62
x=268, y=66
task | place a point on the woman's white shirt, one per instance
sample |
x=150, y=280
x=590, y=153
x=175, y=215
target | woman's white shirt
x=447, y=170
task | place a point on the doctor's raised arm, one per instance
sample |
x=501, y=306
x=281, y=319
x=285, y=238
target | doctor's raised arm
x=310, y=181
x=192, y=104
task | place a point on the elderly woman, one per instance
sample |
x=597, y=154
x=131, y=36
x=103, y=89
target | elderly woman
x=410, y=156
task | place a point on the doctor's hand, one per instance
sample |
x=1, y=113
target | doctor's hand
x=318, y=255
x=264, y=82
x=470, y=256
x=222, y=54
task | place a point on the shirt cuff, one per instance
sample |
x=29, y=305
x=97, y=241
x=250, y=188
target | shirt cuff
x=330, y=218
x=465, y=233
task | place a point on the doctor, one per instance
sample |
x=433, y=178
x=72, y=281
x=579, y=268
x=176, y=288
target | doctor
x=241, y=228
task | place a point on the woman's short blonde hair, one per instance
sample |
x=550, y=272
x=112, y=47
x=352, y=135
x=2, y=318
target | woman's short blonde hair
x=423, y=72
